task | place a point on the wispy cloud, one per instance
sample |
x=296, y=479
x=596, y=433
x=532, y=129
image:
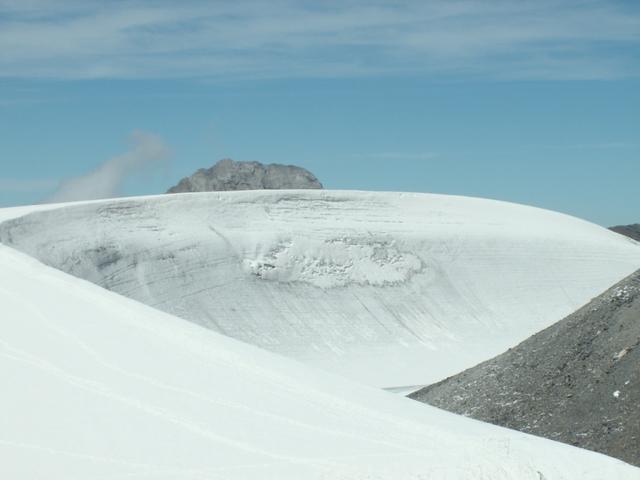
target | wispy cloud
x=559, y=39
x=147, y=151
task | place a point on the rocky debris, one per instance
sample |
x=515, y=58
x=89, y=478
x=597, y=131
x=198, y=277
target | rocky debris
x=228, y=174
x=631, y=231
x=577, y=382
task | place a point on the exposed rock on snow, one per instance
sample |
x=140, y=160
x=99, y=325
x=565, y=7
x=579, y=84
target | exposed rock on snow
x=631, y=231
x=577, y=382
x=228, y=174
x=390, y=289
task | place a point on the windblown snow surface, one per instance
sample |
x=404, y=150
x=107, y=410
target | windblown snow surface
x=97, y=386
x=390, y=289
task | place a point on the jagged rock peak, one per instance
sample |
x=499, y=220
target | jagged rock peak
x=229, y=174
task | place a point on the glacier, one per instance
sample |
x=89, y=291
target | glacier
x=388, y=289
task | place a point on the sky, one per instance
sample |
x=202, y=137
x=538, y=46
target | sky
x=535, y=102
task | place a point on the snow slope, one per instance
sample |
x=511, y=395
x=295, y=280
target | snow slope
x=391, y=289
x=97, y=386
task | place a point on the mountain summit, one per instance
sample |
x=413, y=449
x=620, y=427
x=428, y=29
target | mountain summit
x=229, y=174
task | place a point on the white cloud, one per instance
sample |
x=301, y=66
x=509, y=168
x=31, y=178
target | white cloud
x=283, y=38
x=147, y=151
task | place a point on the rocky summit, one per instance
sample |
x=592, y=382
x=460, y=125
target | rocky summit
x=577, y=382
x=229, y=174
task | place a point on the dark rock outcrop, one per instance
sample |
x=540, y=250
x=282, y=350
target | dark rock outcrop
x=231, y=175
x=631, y=231
x=577, y=382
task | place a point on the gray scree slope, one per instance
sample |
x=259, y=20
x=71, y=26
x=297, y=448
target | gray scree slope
x=631, y=231
x=231, y=175
x=577, y=382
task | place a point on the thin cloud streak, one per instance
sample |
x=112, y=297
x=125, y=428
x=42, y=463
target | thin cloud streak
x=147, y=152
x=521, y=40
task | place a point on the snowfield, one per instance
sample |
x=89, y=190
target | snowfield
x=98, y=386
x=389, y=289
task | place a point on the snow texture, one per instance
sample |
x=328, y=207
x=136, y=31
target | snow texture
x=95, y=385
x=379, y=287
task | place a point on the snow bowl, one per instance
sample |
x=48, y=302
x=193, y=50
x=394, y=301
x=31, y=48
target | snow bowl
x=390, y=289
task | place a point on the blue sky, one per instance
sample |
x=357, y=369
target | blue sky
x=532, y=102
